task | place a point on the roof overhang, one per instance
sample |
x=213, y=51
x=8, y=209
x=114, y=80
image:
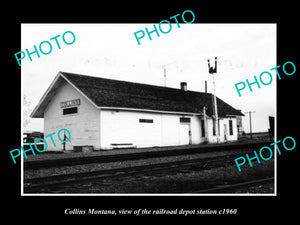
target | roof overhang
x=227, y=115
x=151, y=110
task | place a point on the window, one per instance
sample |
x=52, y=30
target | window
x=68, y=111
x=185, y=120
x=202, y=128
x=146, y=121
x=230, y=127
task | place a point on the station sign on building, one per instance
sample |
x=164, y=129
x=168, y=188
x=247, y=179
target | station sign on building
x=70, y=103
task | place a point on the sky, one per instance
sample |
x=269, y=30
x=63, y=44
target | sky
x=111, y=51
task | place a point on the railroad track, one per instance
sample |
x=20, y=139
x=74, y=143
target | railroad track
x=38, y=164
x=35, y=185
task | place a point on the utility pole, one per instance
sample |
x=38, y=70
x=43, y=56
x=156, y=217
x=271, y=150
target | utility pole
x=165, y=72
x=205, y=125
x=165, y=77
x=212, y=70
x=250, y=123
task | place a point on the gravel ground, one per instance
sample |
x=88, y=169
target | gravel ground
x=181, y=181
x=263, y=189
x=129, y=163
x=171, y=182
x=70, y=154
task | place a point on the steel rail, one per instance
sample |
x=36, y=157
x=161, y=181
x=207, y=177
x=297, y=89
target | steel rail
x=37, y=164
x=34, y=184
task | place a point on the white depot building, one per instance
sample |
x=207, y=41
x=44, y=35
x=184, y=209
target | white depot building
x=106, y=114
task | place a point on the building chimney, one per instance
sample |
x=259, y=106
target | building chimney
x=183, y=86
x=205, y=86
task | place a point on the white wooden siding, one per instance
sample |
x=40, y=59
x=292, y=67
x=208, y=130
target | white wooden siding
x=83, y=126
x=123, y=127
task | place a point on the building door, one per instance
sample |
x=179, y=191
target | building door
x=185, y=134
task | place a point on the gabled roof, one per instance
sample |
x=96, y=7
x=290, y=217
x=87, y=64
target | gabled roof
x=108, y=93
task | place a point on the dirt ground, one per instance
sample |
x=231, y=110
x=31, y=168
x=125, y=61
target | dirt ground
x=183, y=181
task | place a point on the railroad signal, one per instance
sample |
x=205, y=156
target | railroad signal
x=212, y=70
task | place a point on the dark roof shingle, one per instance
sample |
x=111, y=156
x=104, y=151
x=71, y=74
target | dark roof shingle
x=122, y=94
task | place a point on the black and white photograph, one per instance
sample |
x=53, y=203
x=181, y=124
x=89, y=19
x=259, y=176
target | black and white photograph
x=170, y=115
x=144, y=110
